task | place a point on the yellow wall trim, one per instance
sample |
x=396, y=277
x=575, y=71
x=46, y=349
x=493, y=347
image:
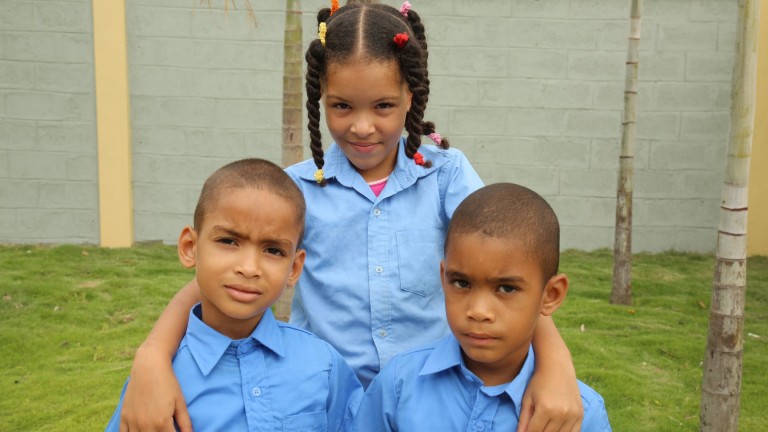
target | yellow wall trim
x=113, y=123
x=757, y=223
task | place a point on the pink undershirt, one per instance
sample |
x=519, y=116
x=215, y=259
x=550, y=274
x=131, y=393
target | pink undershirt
x=378, y=185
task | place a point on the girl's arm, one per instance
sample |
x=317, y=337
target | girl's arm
x=153, y=397
x=552, y=399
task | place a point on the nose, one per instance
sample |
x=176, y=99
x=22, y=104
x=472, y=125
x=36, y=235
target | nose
x=362, y=125
x=248, y=264
x=480, y=307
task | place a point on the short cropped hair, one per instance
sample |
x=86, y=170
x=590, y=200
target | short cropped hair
x=511, y=212
x=250, y=173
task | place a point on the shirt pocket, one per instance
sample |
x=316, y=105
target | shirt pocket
x=419, y=253
x=306, y=422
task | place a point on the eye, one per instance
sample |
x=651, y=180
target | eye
x=226, y=241
x=460, y=283
x=384, y=105
x=340, y=106
x=275, y=251
x=507, y=289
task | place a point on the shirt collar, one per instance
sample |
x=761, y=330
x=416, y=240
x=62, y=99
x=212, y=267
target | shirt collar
x=447, y=355
x=405, y=173
x=207, y=346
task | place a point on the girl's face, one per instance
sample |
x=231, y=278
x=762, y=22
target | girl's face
x=365, y=107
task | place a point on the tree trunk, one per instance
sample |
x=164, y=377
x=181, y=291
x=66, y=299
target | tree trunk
x=293, y=146
x=622, y=246
x=721, y=383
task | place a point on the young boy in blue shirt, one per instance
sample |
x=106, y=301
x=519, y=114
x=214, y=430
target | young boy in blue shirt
x=499, y=275
x=239, y=368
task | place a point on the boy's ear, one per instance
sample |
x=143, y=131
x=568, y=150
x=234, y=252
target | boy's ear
x=554, y=293
x=298, y=265
x=187, y=247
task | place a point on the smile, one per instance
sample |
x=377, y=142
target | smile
x=363, y=147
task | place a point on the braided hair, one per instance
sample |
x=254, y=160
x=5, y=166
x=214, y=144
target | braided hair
x=368, y=30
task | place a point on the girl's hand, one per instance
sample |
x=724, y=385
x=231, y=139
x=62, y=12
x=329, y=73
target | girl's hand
x=551, y=404
x=153, y=398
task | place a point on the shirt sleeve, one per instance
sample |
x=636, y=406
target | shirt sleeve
x=457, y=180
x=377, y=412
x=114, y=422
x=595, y=415
x=344, y=393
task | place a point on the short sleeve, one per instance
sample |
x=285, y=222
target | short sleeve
x=457, y=179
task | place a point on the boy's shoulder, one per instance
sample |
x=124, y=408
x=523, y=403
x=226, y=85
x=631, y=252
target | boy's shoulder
x=589, y=396
x=595, y=414
x=410, y=363
x=304, y=341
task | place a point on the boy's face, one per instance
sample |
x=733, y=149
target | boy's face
x=244, y=255
x=494, y=294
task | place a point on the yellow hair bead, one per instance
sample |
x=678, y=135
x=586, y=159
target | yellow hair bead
x=321, y=32
x=319, y=177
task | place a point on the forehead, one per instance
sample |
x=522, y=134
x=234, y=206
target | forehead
x=493, y=256
x=262, y=202
x=352, y=71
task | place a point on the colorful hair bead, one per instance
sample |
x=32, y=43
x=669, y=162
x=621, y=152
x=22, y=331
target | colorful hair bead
x=401, y=39
x=418, y=158
x=322, y=28
x=334, y=6
x=405, y=8
x=434, y=136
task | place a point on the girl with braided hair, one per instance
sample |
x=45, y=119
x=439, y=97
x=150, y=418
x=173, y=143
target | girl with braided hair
x=378, y=206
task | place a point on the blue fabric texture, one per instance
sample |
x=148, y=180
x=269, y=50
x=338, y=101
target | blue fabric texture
x=371, y=283
x=279, y=378
x=430, y=388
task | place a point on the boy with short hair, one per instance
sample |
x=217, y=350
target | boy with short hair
x=239, y=368
x=499, y=274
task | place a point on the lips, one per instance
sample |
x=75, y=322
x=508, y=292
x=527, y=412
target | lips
x=363, y=147
x=479, y=338
x=242, y=293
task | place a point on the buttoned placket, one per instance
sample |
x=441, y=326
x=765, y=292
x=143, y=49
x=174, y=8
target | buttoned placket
x=255, y=385
x=379, y=273
x=483, y=412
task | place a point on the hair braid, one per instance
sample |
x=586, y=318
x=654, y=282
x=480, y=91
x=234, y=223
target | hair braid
x=414, y=21
x=414, y=72
x=315, y=59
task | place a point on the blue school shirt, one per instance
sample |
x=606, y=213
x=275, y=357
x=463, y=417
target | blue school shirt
x=279, y=378
x=371, y=279
x=430, y=388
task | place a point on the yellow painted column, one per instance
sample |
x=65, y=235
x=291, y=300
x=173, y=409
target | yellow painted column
x=113, y=123
x=757, y=223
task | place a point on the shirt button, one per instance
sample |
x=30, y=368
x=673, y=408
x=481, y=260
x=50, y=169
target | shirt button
x=383, y=333
x=256, y=391
x=479, y=426
x=376, y=212
x=379, y=269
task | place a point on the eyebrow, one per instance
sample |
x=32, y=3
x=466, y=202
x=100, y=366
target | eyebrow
x=234, y=233
x=388, y=98
x=501, y=280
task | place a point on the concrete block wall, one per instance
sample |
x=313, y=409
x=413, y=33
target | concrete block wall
x=206, y=89
x=48, y=168
x=532, y=91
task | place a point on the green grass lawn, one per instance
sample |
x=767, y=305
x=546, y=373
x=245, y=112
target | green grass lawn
x=72, y=316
